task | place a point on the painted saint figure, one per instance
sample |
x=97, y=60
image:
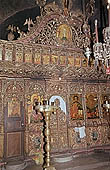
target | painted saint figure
x=76, y=110
x=64, y=33
x=92, y=106
x=14, y=108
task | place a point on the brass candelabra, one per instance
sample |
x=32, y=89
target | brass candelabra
x=46, y=109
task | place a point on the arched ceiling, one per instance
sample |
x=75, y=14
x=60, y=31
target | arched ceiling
x=10, y=7
x=17, y=11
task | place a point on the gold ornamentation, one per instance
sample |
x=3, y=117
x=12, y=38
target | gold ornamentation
x=64, y=33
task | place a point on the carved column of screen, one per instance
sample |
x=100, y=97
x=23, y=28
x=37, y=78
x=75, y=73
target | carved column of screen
x=1, y=123
x=1, y=51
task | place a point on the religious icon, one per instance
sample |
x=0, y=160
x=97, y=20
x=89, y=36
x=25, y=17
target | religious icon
x=77, y=61
x=70, y=60
x=37, y=58
x=62, y=60
x=33, y=115
x=28, y=57
x=64, y=33
x=76, y=110
x=8, y=55
x=46, y=59
x=54, y=59
x=84, y=62
x=19, y=57
x=14, y=108
x=92, y=106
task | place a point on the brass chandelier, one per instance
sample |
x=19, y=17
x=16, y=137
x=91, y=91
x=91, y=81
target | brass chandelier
x=102, y=50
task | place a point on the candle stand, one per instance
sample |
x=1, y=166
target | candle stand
x=46, y=109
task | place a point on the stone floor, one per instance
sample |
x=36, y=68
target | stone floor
x=94, y=161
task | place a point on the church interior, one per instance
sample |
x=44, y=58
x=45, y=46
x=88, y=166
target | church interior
x=54, y=84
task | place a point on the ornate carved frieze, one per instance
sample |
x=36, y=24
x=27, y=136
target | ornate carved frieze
x=56, y=88
x=57, y=27
x=34, y=86
x=26, y=70
x=94, y=88
x=13, y=88
x=75, y=88
x=61, y=31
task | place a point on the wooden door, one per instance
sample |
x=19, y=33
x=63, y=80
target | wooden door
x=14, y=129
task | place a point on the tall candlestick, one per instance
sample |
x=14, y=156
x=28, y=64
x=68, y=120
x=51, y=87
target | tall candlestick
x=108, y=7
x=46, y=110
x=96, y=31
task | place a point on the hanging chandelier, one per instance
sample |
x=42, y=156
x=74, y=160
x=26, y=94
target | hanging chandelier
x=101, y=51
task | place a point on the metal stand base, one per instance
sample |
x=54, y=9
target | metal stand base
x=50, y=168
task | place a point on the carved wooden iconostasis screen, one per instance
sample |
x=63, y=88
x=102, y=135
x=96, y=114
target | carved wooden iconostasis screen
x=49, y=63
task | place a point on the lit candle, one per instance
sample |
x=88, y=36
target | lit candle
x=106, y=102
x=96, y=31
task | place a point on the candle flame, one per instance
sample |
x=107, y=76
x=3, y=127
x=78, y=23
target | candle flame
x=96, y=22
